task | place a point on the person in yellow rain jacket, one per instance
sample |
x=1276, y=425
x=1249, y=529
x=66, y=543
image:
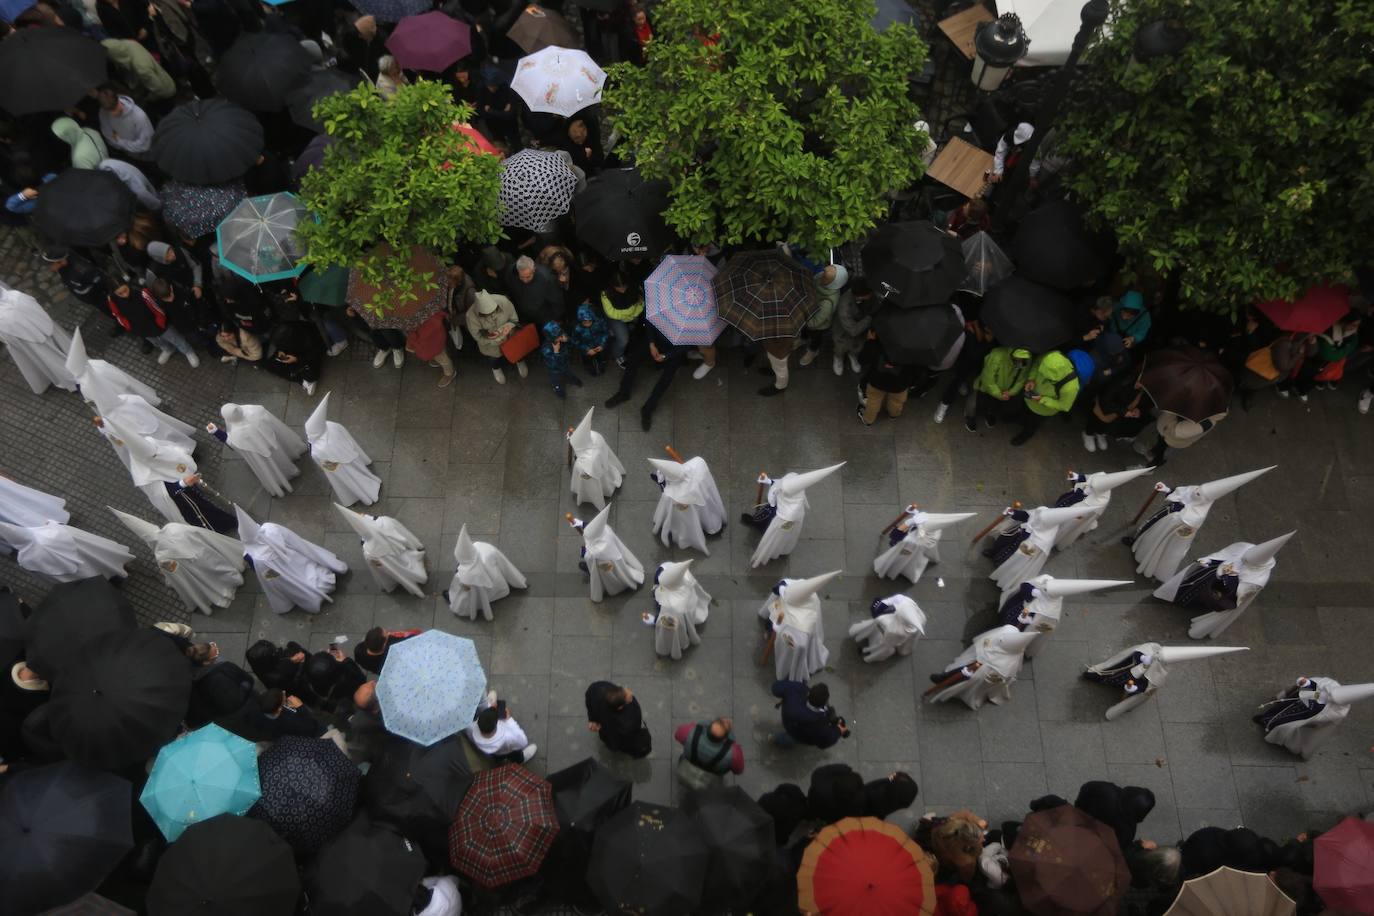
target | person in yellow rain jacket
x=1005, y=373
x=1051, y=389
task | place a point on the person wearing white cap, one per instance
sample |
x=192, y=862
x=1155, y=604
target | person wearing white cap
x=610, y=566
x=36, y=343
x=783, y=512
x=202, y=567
x=1162, y=542
x=1303, y=717
x=484, y=574
x=341, y=458
x=65, y=554
x=491, y=321
x=101, y=382
x=682, y=606
x=985, y=671
x=1142, y=669
x=1009, y=149
x=293, y=572
x=268, y=446
x=830, y=281
x=394, y=555
x=793, y=615
x=690, y=508
x=596, y=471
x=1223, y=584
x=1037, y=605
x=1024, y=543
x=27, y=507
x=1090, y=495
x=913, y=543
x=894, y=624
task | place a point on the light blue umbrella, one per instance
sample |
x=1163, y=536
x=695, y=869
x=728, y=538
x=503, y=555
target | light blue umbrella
x=430, y=686
x=208, y=772
x=258, y=239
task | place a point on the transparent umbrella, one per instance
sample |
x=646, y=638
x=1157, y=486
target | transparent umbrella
x=258, y=239
x=986, y=263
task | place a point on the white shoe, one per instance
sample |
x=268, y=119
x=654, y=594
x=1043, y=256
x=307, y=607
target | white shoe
x=702, y=371
x=228, y=359
x=837, y=365
x=379, y=359
x=193, y=360
x=398, y=358
x=808, y=358
x=522, y=369
x=309, y=387
x=498, y=375
x=854, y=364
x=163, y=356
x=1303, y=398
x=1283, y=392
x=529, y=752
x=337, y=348
x=1089, y=442
x=941, y=412
x=1101, y=442
x=491, y=697
x=1366, y=398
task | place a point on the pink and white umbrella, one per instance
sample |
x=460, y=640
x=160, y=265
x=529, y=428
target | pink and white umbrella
x=680, y=301
x=558, y=80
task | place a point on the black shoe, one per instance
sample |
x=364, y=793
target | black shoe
x=1022, y=437
x=859, y=412
x=445, y=594
x=1128, y=540
x=769, y=391
x=746, y=519
x=646, y=420
x=616, y=400
x=938, y=677
x=971, y=424
x=582, y=565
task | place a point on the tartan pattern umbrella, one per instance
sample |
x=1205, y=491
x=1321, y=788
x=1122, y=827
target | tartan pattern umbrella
x=861, y=865
x=430, y=686
x=1313, y=313
x=258, y=240
x=308, y=790
x=196, y=209
x=537, y=187
x=558, y=80
x=505, y=826
x=390, y=10
x=680, y=301
x=1068, y=863
x=430, y=41
x=911, y=264
x=206, y=773
x=765, y=294
x=1190, y=382
x=537, y=28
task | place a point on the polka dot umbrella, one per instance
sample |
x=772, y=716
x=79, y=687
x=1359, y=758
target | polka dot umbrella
x=505, y=826
x=680, y=301
x=537, y=187
x=308, y=791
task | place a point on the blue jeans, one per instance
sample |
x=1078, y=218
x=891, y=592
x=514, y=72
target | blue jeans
x=171, y=340
x=784, y=740
x=620, y=337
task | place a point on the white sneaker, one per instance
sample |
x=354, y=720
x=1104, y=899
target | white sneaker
x=491, y=697
x=940, y=412
x=854, y=364
x=808, y=358
x=529, y=752
x=193, y=360
x=1366, y=398
x=1101, y=442
x=1283, y=392
x=1303, y=398
x=337, y=348
x=1089, y=442
x=309, y=387
x=398, y=358
x=500, y=376
x=702, y=371
x=379, y=359
x=228, y=359
x=522, y=369
x=837, y=365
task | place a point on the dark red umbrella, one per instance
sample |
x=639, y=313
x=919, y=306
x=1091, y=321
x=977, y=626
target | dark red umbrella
x=505, y=826
x=1068, y=863
x=431, y=41
x=1344, y=865
x=1315, y=311
x=1187, y=381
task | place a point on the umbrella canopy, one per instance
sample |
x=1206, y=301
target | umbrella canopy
x=1068, y=863
x=430, y=41
x=308, y=790
x=430, y=686
x=260, y=68
x=410, y=313
x=739, y=835
x=890, y=11
x=324, y=285
x=196, y=209
x=765, y=294
x=318, y=84
x=11, y=9
x=418, y=789
x=1021, y=313
x=1319, y=308
x=258, y=240
x=917, y=337
x=368, y=870
x=910, y=264
x=649, y=859
x=1051, y=246
x=69, y=616
x=226, y=866
x=207, y=141
x=475, y=141
x=505, y=826
x=1344, y=865
x=585, y=795
x=680, y=300
x=1228, y=892
x=985, y=264
x=558, y=80
x=48, y=69
x=538, y=28
x=84, y=207
x=63, y=829
x=621, y=215
x=208, y=772
x=12, y=627
x=120, y=699
x=537, y=187
x=861, y=865
x=311, y=157
x=390, y=10
x=1188, y=381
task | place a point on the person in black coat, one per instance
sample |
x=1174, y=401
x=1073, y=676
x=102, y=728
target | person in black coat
x=894, y=792
x=807, y=716
x=836, y=792
x=275, y=713
x=218, y=686
x=614, y=714
x=648, y=346
x=787, y=806
x=278, y=667
x=333, y=678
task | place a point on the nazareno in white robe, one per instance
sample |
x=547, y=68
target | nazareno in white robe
x=66, y=554
x=204, y=568
x=1252, y=582
x=394, y=555
x=267, y=445
x=1162, y=548
x=690, y=507
x=484, y=574
x=37, y=344
x=1000, y=653
x=682, y=607
x=1305, y=736
x=27, y=507
x=341, y=458
x=131, y=412
x=1031, y=554
x=919, y=546
x=293, y=572
x=152, y=463
x=784, y=531
x=596, y=471
x=799, y=650
x=101, y=382
x=611, y=566
x=891, y=634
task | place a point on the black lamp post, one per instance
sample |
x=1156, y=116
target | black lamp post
x=1162, y=38
x=997, y=46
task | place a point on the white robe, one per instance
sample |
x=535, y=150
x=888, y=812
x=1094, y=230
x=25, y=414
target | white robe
x=476, y=585
x=886, y=635
x=66, y=554
x=170, y=463
x=689, y=510
x=396, y=557
x=1155, y=673
x=1092, y=507
x=1252, y=582
x=991, y=683
x=1030, y=555
x=133, y=413
x=29, y=508
x=784, y=531
x=293, y=572
x=1041, y=614
x=102, y=383
x=911, y=555
x=1160, y=550
x=596, y=472
x=799, y=650
x=680, y=611
x=37, y=344
x=203, y=567
x=345, y=465
x=611, y=567
x=1305, y=736
x=268, y=446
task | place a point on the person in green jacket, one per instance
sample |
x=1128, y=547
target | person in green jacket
x=999, y=385
x=1051, y=389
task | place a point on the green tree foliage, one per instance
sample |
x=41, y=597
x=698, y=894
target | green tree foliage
x=1241, y=166
x=772, y=119
x=398, y=173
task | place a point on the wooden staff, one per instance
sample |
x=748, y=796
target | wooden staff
x=758, y=495
x=900, y=515
x=1015, y=504
x=570, y=448
x=953, y=679
x=568, y=517
x=1148, y=500
x=672, y=453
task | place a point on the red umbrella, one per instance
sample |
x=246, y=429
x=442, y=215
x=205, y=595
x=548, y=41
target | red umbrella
x=1067, y=863
x=505, y=826
x=475, y=141
x=1319, y=308
x=430, y=42
x=1344, y=860
x=861, y=866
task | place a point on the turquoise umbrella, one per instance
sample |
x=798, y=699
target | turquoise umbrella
x=430, y=686
x=208, y=772
x=258, y=241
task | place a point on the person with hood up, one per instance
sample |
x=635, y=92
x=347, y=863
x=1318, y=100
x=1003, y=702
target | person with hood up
x=1223, y=584
x=87, y=146
x=1037, y=605
x=1091, y=494
x=690, y=508
x=1141, y=670
x=37, y=344
x=596, y=471
x=913, y=543
x=267, y=445
x=682, y=605
x=1130, y=319
x=205, y=569
x=293, y=572
x=394, y=555
x=849, y=328
x=1051, y=388
x=341, y=458
x=985, y=671
x=782, y=514
x=1302, y=718
x=610, y=566
x=555, y=350
x=1003, y=377
x=830, y=281
x=792, y=615
x=895, y=623
x=590, y=337
x=491, y=321
x=1161, y=543
x=65, y=554
x=484, y=574
x=1024, y=542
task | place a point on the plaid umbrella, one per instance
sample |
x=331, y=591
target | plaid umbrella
x=558, y=80
x=308, y=791
x=1313, y=313
x=390, y=10
x=1068, y=863
x=649, y=859
x=538, y=28
x=208, y=772
x=862, y=865
x=431, y=41
x=911, y=264
x=410, y=314
x=300, y=102
x=537, y=187
x=1190, y=382
x=765, y=294
x=258, y=240
x=196, y=209
x=505, y=826
x=680, y=301
x=430, y=686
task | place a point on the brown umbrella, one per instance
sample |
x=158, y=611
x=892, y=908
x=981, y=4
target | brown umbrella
x=538, y=28
x=765, y=294
x=1067, y=863
x=1188, y=381
x=384, y=308
x=1228, y=892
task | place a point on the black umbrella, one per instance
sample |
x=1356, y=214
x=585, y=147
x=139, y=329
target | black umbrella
x=919, y=336
x=585, y=796
x=63, y=829
x=739, y=835
x=368, y=870
x=119, y=698
x=621, y=215
x=70, y=616
x=226, y=866
x=48, y=69
x=1053, y=247
x=308, y=791
x=11, y=628
x=311, y=157
x=1188, y=381
x=207, y=141
x=417, y=789
x=910, y=264
x=1024, y=314
x=260, y=68
x=84, y=207
x=649, y=859
x=319, y=84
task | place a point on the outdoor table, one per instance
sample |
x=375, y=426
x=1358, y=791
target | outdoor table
x=962, y=166
x=962, y=26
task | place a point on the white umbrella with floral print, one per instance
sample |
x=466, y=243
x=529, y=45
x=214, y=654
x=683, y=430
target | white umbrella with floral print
x=561, y=81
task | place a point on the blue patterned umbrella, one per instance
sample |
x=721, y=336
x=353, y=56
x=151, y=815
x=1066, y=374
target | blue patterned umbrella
x=680, y=301
x=430, y=686
x=308, y=790
x=391, y=10
x=208, y=772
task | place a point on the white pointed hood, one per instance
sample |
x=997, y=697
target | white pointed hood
x=672, y=471
x=1215, y=489
x=1170, y=654
x=799, y=591
x=1351, y=693
x=1262, y=554
x=1015, y=641
x=77, y=360
x=1047, y=517
x=601, y=541
x=150, y=460
x=464, y=551
x=793, y=484
x=145, y=530
x=672, y=575
x=1106, y=481
x=23, y=317
x=581, y=436
x=1062, y=588
x=318, y=424
x=249, y=428
x=935, y=521
x=248, y=528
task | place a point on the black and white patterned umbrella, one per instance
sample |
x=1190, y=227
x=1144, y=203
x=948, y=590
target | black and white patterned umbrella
x=308, y=791
x=196, y=209
x=537, y=187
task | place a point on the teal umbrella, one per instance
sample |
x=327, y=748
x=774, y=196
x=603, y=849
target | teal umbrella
x=208, y=772
x=257, y=240
x=324, y=285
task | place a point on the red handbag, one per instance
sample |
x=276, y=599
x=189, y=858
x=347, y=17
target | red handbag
x=521, y=343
